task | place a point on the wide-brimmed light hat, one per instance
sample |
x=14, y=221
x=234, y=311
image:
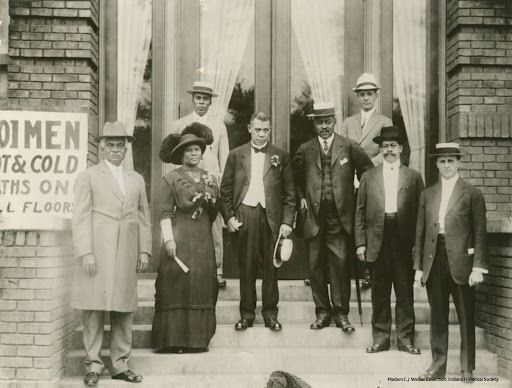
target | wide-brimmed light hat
x=447, y=149
x=366, y=81
x=389, y=133
x=282, y=251
x=202, y=87
x=323, y=109
x=114, y=129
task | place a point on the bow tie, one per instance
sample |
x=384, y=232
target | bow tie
x=262, y=150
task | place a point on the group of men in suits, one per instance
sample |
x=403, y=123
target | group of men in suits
x=387, y=222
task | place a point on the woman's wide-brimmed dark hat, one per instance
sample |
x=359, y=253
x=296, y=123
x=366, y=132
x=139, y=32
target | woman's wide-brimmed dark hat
x=389, y=133
x=447, y=149
x=173, y=145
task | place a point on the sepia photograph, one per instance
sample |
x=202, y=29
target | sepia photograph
x=255, y=193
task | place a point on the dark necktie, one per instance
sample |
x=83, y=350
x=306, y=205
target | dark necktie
x=256, y=150
x=326, y=147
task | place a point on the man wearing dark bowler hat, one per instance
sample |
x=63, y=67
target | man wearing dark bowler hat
x=112, y=241
x=324, y=170
x=385, y=223
x=258, y=204
x=450, y=257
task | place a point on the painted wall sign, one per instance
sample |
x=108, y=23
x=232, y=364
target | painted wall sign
x=41, y=154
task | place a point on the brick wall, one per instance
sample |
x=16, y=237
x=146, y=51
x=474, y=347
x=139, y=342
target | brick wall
x=479, y=117
x=53, y=53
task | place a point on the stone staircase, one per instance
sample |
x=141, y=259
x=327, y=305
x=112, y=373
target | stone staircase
x=325, y=358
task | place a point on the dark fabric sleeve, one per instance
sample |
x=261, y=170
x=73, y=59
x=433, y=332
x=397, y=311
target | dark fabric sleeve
x=289, y=198
x=167, y=200
x=420, y=234
x=479, y=230
x=227, y=188
x=362, y=161
x=360, y=213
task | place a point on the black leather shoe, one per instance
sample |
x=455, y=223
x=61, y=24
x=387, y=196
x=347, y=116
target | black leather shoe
x=411, y=349
x=307, y=282
x=91, y=379
x=345, y=325
x=431, y=375
x=128, y=376
x=243, y=324
x=273, y=324
x=221, y=282
x=320, y=324
x=467, y=377
x=376, y=348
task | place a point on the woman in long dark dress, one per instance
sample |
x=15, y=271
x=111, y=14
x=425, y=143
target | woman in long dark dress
x=184, y=318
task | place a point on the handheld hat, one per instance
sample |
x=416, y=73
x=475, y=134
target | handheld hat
x=388, y=133
x=282, y=250
x=447, y=149
x=322, y=109
x=114, y=129
x=202, y=87
x=366, y=81
x=173, y=145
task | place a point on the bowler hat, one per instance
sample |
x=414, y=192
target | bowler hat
x=366, y=81
x=114, y=129
x=389, y=133
x=322, y=109
x=202, y=87
x=282, y=251
x=447, y=149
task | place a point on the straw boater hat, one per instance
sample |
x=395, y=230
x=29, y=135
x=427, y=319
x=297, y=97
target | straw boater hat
x=174, y=144
x=322, y=109
x=114, y=129
x=366, y=82
x=202, y=87
x=447, y=149
x=282, y=251
x=389, y=133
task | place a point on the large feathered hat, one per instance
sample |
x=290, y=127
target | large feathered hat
x=173, y=145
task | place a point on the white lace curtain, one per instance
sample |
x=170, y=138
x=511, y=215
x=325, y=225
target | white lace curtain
x=409, y=65
x=133, y=40
x=224, y=30
x=319, y=27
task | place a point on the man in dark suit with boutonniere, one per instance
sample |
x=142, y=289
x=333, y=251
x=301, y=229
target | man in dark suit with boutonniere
x=387, y=204
x=258, y=204
x=324, y=170
x=451, y=257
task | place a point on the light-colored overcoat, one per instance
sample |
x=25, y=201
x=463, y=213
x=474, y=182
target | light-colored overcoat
x=115, y=228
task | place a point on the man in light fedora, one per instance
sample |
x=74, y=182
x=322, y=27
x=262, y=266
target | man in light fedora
x=387, y=204
x=450, y=257
x=112, y=241
x=324, y=170
x=215, y=155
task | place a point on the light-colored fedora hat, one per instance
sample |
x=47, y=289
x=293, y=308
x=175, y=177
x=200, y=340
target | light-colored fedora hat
x=323, y=109
x=447, y=149
x=114, y=129
x=202, y=87
x=366, y=81
x=282, y=251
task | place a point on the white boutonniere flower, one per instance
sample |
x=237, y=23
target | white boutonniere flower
x=343, y=161
x=274, y=160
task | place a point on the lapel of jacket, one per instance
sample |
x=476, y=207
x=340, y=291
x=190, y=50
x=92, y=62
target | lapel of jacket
x=379, y=178
x=337, y=145
x=436, y=196
x=114, y=187
x=314, y=148
x=266, y=163
x=402, y=177
x=355, y=129
x=457, y=192
x=368, y=129
x=246, y=161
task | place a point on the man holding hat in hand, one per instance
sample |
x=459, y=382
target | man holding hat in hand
x=215, y=155
x=112, y=241
x=387, y=204
x=324, y=177
x=450, y=257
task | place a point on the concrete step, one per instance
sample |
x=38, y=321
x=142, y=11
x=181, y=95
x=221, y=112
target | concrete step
x=227, y=312
x=316, y=381
x=293, y=336
x=289, y=290
x=300, y=361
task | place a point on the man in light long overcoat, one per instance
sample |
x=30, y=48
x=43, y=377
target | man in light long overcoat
x=112, y=241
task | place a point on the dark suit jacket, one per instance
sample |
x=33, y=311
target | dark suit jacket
x=370, y=210
x=465, y=228
x=347, y=158
x=277, y=181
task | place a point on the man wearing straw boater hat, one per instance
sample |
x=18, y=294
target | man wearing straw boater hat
x=324, y=177
x=215, y=155
x=112, y=241
x=451, y=257
x=387, y=205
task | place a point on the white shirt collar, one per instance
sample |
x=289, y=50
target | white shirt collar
x=367, y=113
x=388, y=165
x=258, y=147
x=449, y=182
x=328, y=140
x=114, y=169
x=199, y=119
